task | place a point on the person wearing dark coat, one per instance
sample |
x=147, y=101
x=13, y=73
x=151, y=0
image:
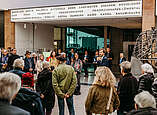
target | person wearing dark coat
x=8, y=93
x=11, y=59
x=44, y=87
x=146, y=79
x=18, y=66
x=127, y=89
x=29, y=63
x=145, y=104
x=4, y=61
x=110, y=57
x=102, y=60
x=85, y=63
x=121, y=59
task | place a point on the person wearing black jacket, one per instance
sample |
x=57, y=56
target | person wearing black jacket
x=29, y=63
x=146, y=79
x=13, y=56
x=44, y=87
x=127, y=89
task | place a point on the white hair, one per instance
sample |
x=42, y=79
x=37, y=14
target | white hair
x=19, y=63
x=10, y=84
x=147, y=68
x=125, y=66
x=145, y=99
x=45, y=64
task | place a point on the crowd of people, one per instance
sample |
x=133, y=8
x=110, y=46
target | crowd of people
x=59, y=74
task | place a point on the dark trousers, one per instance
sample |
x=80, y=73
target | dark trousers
x=85, y=67
x=78, y=87
x=70, y=105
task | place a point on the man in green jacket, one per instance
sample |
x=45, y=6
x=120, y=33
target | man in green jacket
x=64, y=83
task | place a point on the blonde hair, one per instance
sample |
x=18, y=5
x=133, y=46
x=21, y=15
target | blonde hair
x=18, y=63
x=104, y=76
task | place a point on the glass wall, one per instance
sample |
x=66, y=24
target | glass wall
x=82, y=40
x=1, y=29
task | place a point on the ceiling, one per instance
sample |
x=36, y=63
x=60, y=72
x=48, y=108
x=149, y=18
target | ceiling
x=123, y=23
x=14, y=4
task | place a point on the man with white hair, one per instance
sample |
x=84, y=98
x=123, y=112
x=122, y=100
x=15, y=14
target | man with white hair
x=146, y=79
x=145, y=104
x=127, y=89
x=9, y=86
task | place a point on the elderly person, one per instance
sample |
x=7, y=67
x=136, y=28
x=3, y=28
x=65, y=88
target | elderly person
x=145, y=104
x=146, y=79
x=127, y=89
x=10, y=84
x=18, y=67
x=39, y=65
x=44, y=87
x=99, y=93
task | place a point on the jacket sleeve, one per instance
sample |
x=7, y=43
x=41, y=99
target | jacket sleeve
x=89, y=100
x=141, y=85
x=56, y=85
x=73, y=84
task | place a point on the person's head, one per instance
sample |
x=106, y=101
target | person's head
x=18, y=63
x=125, y=67
x=108, y=50
x=104, y=76
x=28, y=54
x=147, y=68
x=60, y=59
x=14, y=51
x=59, y=51
x=5, y=52
x=34, y=55
x=10, y=84
x=63, y=55
x=101, y=52
x=53, y=54
x=96, y=53
x=76, y=56
x=86, y=52
x=46, y=65
x=144, y=100
x=72, y=50
x=121, y=55
x=41, y=57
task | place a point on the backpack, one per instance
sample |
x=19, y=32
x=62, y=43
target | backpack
x=27, y=80
x=29, y=101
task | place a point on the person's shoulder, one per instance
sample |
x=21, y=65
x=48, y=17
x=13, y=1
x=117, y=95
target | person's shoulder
x=17, y=111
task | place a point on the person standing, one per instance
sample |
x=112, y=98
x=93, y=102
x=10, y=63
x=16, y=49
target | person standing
x=39, y=65
x=121, y=59
x=127, y=89
x=45, y=89
x=102, y=59
x=71, y=55
x=29, y=63
x=77, y=65
x=109, y=56
x=52, y=59
x=95, y=59
x=85, y=63
x=99, y=93
x=64, y=83
x=4, y=61
x=13, y=56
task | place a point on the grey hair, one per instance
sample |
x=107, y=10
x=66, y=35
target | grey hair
x=147, y=68
x=18, y=63
x=45, y=64
x=145, y=99
x=10, y=84
x=126, y=66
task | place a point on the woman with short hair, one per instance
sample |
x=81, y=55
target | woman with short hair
x=99, y=93
x=146, y=79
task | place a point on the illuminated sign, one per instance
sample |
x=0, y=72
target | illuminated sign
x=85, y=11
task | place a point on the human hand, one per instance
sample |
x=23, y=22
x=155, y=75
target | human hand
x=41, y=96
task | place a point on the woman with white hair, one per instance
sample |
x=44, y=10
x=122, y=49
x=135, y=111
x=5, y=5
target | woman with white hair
x=146, y=79
x=18, y=67
x=44, y=87
x=145, y=104
x=10, y=85
x=102, y=96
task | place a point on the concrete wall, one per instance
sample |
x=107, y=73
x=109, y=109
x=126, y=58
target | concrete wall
x=43, y=37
